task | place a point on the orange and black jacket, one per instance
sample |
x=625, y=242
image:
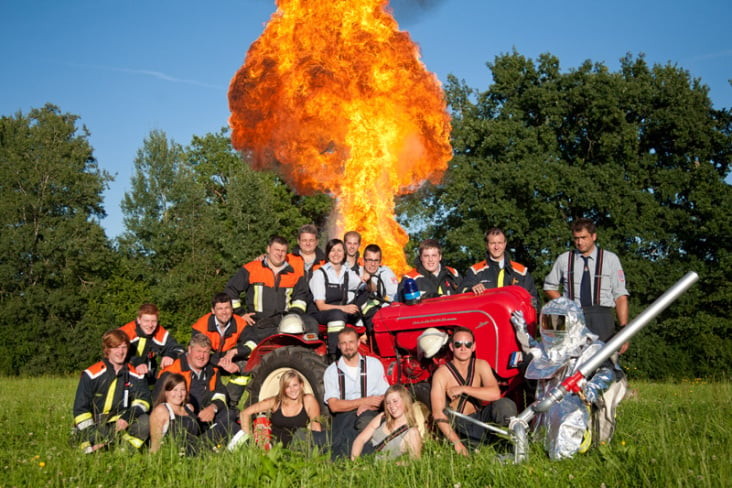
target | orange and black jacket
x=267, y=295
x=487, y=272
x=220, y=345
x=297, y=262
x=104, y=394
x=150, y=348
x=430, y=286
x=204, y=388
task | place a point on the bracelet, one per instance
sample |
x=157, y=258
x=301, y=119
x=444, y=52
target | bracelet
x=441, y=421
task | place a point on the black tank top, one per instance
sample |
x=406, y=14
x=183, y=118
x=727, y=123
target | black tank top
x=283, y=427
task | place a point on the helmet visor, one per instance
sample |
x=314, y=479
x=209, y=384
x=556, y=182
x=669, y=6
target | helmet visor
x=556, y=323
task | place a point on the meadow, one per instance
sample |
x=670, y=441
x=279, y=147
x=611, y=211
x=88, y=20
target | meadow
x=669, y=434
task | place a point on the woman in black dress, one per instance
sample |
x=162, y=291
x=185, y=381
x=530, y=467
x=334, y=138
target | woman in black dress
x=291, y=409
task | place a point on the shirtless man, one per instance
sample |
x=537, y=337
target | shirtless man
x=465, y=384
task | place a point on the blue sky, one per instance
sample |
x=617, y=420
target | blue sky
x=131, y=66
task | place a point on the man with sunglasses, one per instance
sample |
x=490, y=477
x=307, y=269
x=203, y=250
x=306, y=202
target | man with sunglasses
x=467, y=385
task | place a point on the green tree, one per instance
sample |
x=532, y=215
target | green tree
x=195, y=214
x=640, y=151
x=54, y=254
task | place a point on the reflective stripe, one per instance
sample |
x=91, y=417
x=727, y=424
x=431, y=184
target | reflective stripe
x=371, y=304
x=137, y=443
x=142, y=404
x=141, y=346
x=109, y=400
x=236, y=303
x=219, y=396
x=239, y=380
x=257, y=299
x=251, y=345
x=500, y=278
x=83, y=421
x=299, y=305
x=336, y=326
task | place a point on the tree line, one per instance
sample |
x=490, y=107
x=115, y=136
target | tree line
x=641, y=151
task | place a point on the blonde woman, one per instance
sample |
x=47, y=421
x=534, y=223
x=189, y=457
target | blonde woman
x=291, y=409
x=393, y=432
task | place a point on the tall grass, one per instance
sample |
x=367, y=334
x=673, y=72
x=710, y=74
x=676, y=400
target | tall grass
x=668, y=435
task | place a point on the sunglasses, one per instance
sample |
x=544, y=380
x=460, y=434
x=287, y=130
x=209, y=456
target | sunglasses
x=465, y=344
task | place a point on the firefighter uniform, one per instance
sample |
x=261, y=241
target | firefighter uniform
x=206, y=388
x=447, y=282
x=149, y=349
x=269, y=297
x=298, y=262
x=385, y=285
x=510, y=272
x=221, y=344
x=327, y=286
x=103, y=397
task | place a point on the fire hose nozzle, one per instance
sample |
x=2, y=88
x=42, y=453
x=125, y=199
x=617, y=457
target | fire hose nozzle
x=553, y=397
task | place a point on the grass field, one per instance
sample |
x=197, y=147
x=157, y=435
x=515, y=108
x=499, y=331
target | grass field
x=668, y=435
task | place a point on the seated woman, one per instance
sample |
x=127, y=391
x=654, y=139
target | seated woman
x=172, y=415
x=392, y=433
x=291, y=409
x=334, y=287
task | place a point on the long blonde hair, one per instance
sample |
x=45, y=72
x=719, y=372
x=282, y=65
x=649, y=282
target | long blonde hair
x=285, y=379
x=407, y=402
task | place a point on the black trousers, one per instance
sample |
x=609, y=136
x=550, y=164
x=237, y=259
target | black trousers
x=498, y=412
x=600, y=320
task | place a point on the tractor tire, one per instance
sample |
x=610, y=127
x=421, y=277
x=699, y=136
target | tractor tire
x=265, y=380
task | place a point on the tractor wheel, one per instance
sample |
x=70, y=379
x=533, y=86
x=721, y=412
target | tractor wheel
x=265, y=381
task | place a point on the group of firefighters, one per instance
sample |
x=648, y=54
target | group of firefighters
x=295, y=292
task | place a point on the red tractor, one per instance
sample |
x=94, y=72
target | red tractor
x=396, y=331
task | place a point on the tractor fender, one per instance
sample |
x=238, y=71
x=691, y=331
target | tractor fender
x=309, y=341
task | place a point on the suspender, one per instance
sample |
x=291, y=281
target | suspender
x=598, y=276
x=381, y=445
x=344, y=287
x=466, y=382
x=342, y=380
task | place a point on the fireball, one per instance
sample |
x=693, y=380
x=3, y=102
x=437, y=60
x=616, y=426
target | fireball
x=334, y=97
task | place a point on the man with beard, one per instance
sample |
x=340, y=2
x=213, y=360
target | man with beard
x=354, y=390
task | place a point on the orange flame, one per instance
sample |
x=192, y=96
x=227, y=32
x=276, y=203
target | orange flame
x=335, y=98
